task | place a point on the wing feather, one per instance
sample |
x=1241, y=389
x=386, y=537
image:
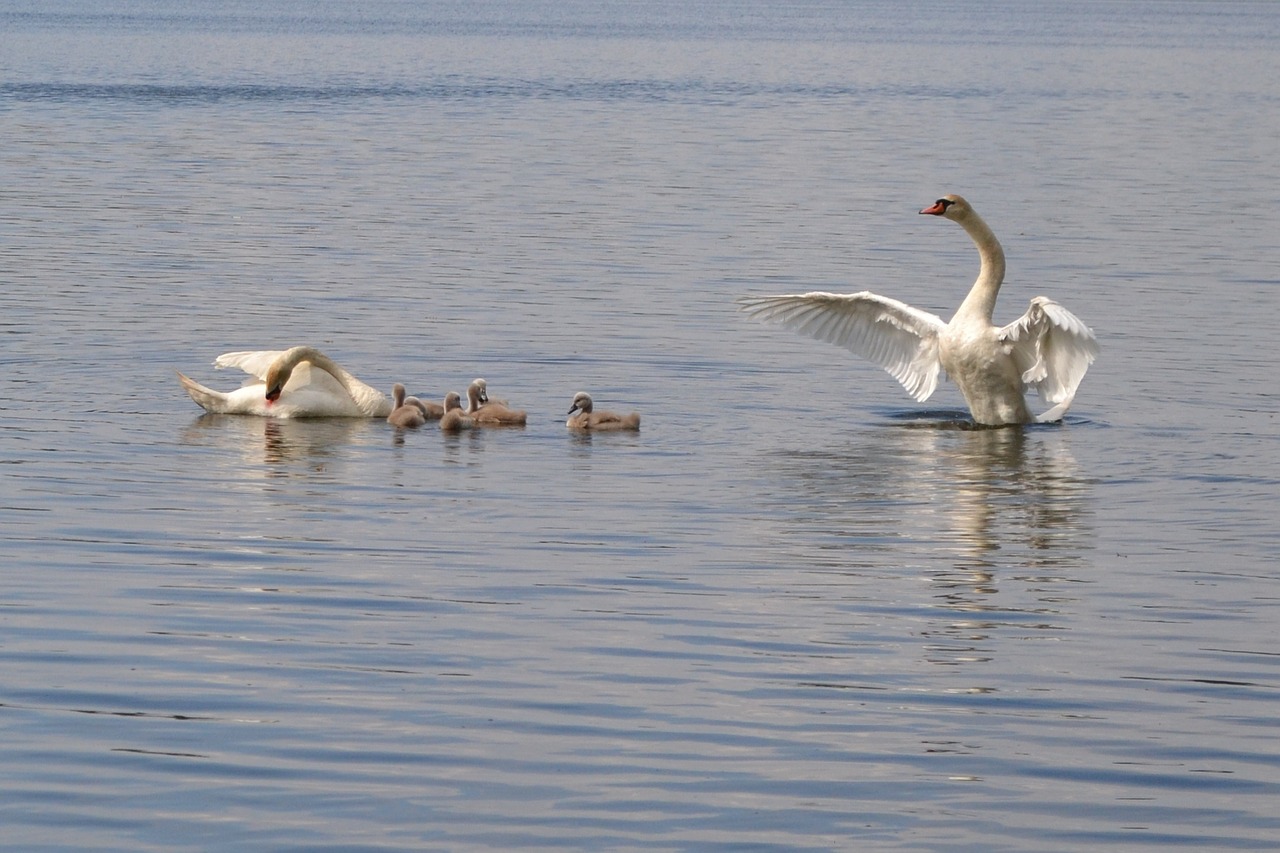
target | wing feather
x=1052, y=347
x=901, y=339
x=254, y=363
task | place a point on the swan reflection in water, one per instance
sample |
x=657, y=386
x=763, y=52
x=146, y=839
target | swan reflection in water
x=277, y=446
x=969, y=509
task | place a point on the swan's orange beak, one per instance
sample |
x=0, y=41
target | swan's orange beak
x=273, y=393
x=937, y=209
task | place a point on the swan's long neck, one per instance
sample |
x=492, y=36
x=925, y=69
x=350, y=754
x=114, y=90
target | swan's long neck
x=292, y=358
x=981, y=301
x=369, y=400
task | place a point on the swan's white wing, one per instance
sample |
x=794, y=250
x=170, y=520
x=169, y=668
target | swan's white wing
x=304, y=373
x=252, y=363
x=901, y=339
x=1052, y=347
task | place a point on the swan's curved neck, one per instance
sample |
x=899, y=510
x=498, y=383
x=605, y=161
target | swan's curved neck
x=981, y=300
x=292, y=358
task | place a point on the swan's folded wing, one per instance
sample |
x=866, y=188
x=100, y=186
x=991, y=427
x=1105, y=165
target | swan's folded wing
x=901, y=339
x=252, y=363
x=1052, y=347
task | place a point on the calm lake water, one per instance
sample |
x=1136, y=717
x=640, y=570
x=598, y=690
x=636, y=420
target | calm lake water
x=797, y=611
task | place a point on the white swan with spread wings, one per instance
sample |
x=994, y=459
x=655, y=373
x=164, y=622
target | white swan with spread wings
x=301, y=382
x=1047, y=349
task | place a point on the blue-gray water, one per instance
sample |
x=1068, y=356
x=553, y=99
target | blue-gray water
x=797, y=611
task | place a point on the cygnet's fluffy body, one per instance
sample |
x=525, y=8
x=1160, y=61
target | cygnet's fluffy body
x=455, y=418
x=408, y=412
x=587, y=417
x=486, y=412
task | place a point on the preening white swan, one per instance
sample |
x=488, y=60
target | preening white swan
x=1047, y=349
x=301, y=382
x=588, y=418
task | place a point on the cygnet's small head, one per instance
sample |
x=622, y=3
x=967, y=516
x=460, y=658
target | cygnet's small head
x=581, y=402
x=452, y=400
x=478, y=391
x=951, y=207
x=397, y=395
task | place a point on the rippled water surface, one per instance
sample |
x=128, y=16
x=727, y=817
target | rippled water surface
x=797, y=611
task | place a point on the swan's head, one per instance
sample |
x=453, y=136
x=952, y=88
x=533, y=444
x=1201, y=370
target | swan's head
x=282, y=368
x=581, y=402
x=452, y=401
x=397, y=394
x=478, y=391
x=951, y=207
x=276, y=379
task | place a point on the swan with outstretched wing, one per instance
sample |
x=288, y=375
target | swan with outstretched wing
x=1047, y=349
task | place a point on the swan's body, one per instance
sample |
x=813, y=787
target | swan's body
x=408, y=412
x=301, y=382
x=486, y=412
x=588, y=418
x=455, y=418
x=1047, y=349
